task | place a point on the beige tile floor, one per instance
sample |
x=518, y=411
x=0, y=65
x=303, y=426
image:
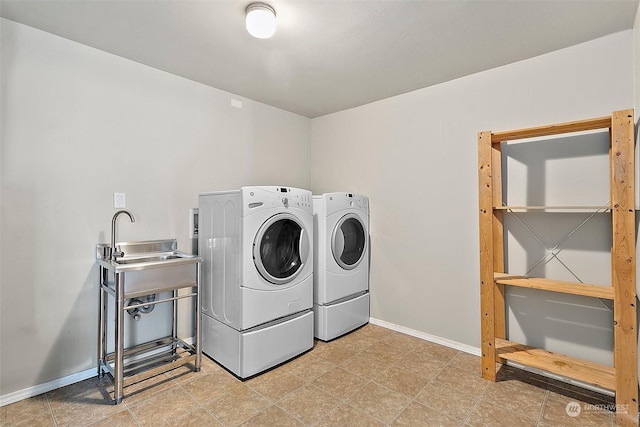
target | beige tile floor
x=371, y=377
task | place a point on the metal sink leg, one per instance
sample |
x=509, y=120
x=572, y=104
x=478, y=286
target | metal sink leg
x=102, y=315
x=197, y=318
x=119, y=339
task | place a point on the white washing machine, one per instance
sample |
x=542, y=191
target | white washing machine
x=257, y=276
x=341, y=263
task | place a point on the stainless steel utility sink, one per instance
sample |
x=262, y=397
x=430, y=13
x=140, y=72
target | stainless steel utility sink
x=143, y=255
x=152, y=268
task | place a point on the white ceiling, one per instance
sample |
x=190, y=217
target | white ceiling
x=326, y=56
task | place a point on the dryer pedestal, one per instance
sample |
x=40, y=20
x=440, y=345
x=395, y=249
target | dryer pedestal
x=247, y=353
x=336, y=319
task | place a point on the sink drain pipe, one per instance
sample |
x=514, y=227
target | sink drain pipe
x=139, y=307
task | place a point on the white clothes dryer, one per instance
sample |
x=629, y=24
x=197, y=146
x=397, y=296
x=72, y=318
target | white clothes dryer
x=341, y=263
x=257, y=276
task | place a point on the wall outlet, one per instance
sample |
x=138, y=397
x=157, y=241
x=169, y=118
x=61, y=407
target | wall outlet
x=118, y=200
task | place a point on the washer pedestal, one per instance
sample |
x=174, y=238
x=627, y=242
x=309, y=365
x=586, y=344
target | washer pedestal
x=247, y=353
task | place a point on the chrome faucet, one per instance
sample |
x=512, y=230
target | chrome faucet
x=114, y=251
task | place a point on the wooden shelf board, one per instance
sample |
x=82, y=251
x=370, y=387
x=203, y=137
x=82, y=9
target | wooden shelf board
x=588, y=290
x=561, y=128
x=567, y=366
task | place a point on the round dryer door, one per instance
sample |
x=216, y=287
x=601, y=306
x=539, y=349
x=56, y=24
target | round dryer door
x=348, y=241
x=281, y=248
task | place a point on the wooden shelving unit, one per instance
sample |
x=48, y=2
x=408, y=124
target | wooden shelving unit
x=622, y=378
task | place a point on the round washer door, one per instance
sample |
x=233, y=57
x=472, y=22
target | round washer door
x=348, y=241
x=281, y=248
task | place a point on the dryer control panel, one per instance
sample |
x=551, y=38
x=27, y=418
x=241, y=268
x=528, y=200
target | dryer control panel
x=340, y=201
x=256, y=198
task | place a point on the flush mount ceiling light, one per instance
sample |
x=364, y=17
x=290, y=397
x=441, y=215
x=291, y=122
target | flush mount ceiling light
x=261, y=20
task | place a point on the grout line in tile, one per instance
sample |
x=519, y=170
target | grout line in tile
x=412, y=400
x=475, y=403
x=294, y=416
x=51, y=414
x=544, y=403
x=400, y=410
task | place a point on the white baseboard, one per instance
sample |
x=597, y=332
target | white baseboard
x=35, y=390
x=427, y=337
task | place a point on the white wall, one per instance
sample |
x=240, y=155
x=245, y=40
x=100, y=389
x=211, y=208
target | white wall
x=415, y=156
x=78, y=124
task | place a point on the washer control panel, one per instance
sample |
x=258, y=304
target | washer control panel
x=294, y=198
